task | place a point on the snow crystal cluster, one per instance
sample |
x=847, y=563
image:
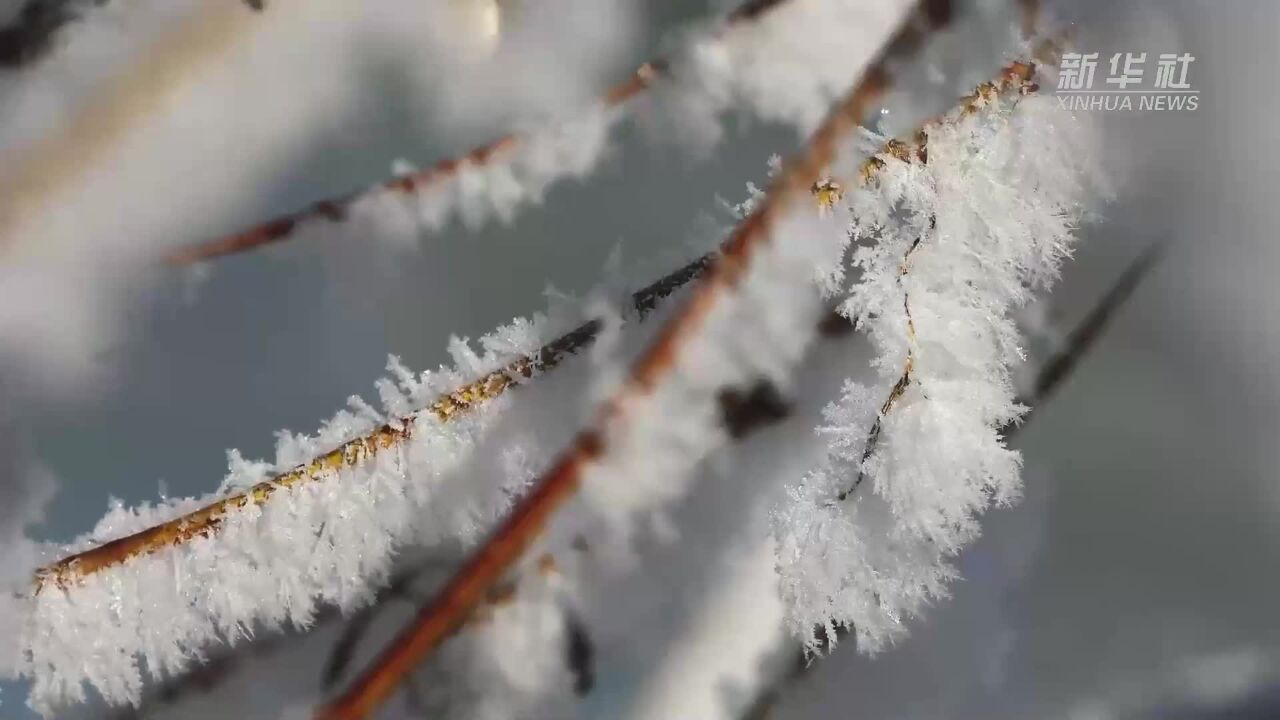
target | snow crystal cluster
x=946, y=246
x=322, y=543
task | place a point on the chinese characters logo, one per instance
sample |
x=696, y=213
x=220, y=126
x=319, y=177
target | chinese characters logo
x=1125, y=85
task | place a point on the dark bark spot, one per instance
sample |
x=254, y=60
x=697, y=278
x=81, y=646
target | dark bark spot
x=744, y=411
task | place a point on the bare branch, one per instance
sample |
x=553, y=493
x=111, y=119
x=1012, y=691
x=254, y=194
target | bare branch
x=1083, y=337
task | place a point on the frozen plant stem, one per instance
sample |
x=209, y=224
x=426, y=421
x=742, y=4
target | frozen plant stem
x=1053, y=374
x=904, y=380
x=1017, y=76
x=335, y=209
x=206, y=520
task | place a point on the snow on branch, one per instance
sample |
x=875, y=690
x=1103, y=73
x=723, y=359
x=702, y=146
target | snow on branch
x=955, y=234
x=1050, y=375
x=383, y=464
x=445, y=408
x=752, y=60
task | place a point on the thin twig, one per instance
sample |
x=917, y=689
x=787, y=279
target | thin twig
x=344, y=649
x=904, y=380
x=335, y=209
x=1055, y=371
x=206, y=520
x=1016, y=78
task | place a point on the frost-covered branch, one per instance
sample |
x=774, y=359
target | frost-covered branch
x=220, y=668
x=205, y=520
x=1017, y=78
x=232, y=545
x=1052, y=374
x=984, y=216
x=501, y=175
x=536, y=169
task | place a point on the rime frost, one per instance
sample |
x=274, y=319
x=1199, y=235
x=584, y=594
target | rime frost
x=787, y=65
x=946, y=250
x=330, y=542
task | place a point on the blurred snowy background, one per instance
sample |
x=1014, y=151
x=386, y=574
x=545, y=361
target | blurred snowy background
x=1136, y=580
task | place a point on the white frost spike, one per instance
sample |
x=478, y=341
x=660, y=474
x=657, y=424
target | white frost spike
x=992, y=211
